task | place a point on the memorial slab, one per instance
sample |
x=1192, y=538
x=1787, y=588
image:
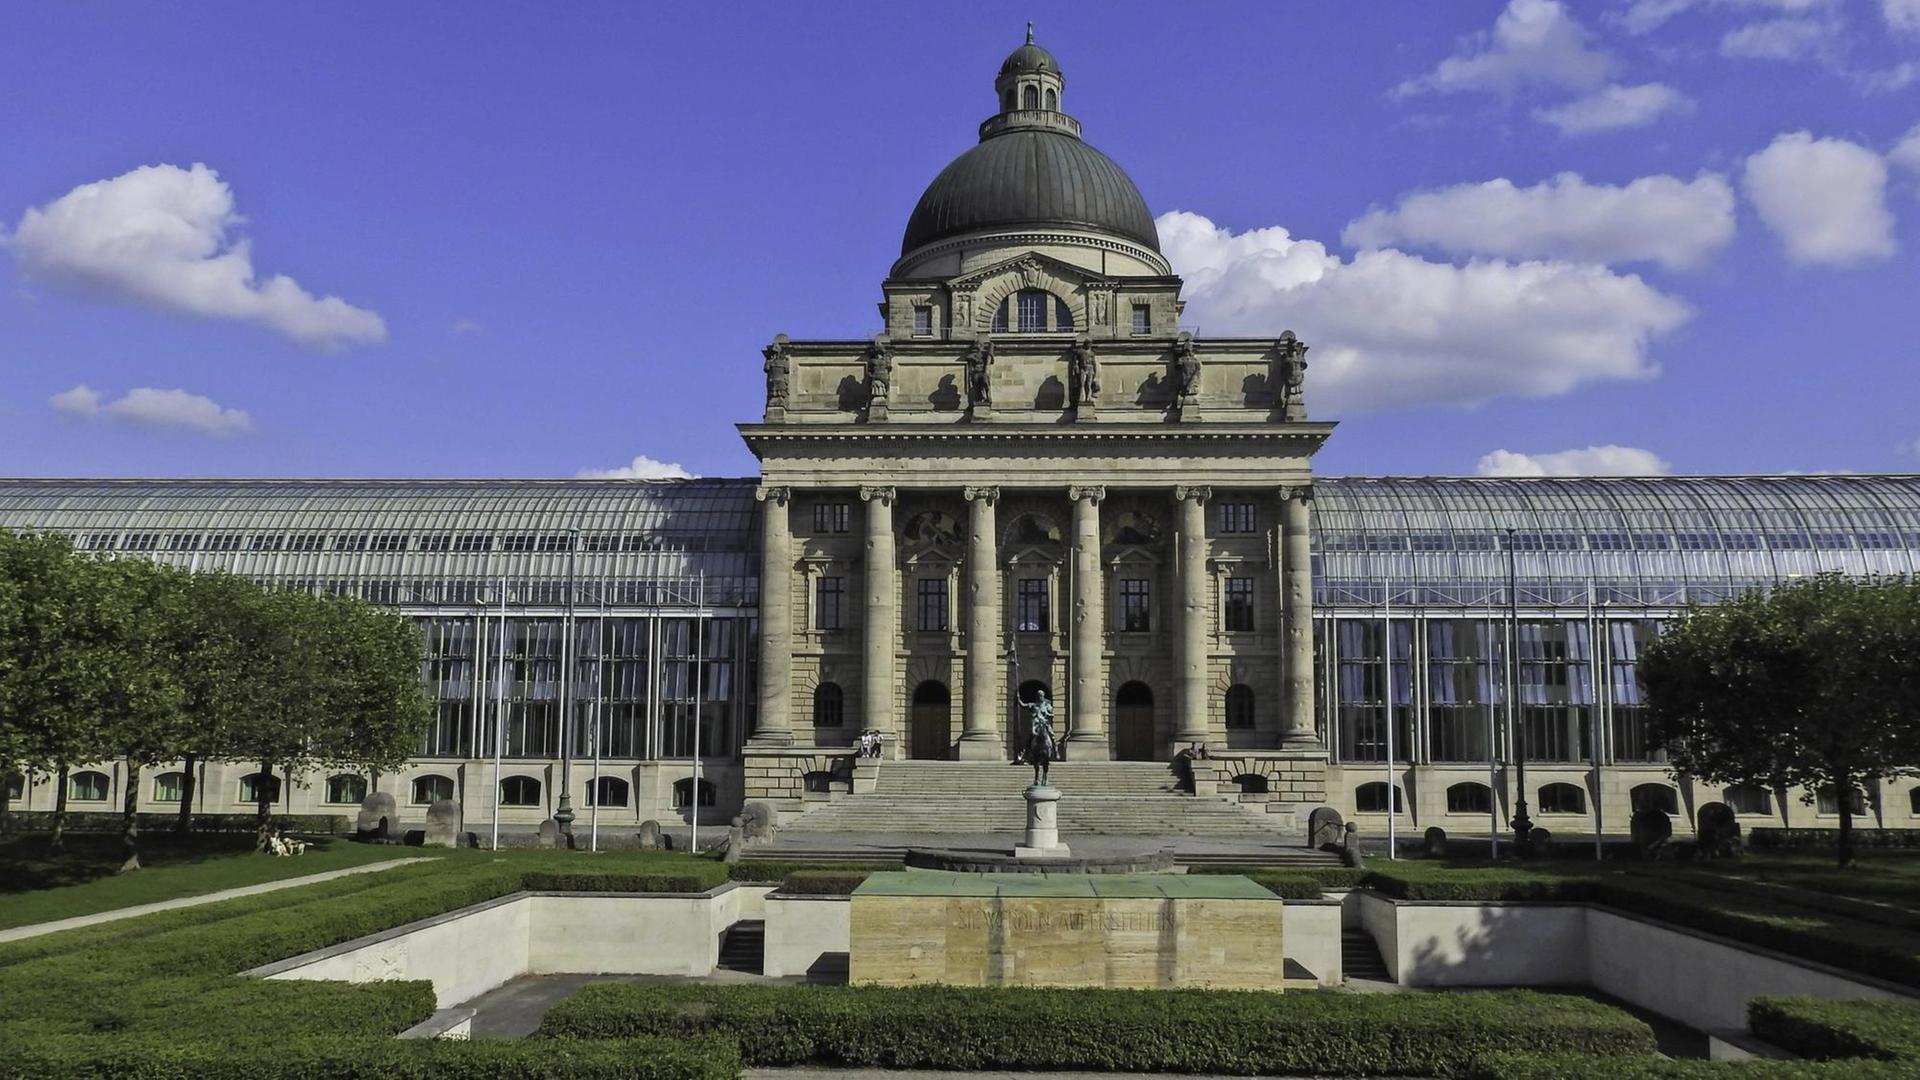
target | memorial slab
x=1108, y=930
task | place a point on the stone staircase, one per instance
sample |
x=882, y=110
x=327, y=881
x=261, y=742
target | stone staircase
x=1101, y=798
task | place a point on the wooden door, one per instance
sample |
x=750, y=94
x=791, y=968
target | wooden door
x=929, y=734
x=1133, y=738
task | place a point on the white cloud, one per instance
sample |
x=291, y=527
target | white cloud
x=1614, y=107
x=1609, y=460
x=1898, y=77
x=1646, y=16
x=640, y=468
x=161, y=235
x=1779, y=39
x=1901, y=14
x=1906, y=152
x=155, y=409
x=1533, y=41
x=82, y=401
x=1391, y=329
x=1826, y=199
x=1676, y=223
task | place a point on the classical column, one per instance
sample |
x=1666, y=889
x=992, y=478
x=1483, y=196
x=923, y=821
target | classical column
x=1296, y=620
x=981, y=739
x=1192, y=649
x=1089, y=696
x=882, y=621
x=776, y=618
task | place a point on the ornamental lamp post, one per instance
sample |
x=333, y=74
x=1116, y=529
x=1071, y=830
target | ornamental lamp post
x=1522, y=824
x=563, y=816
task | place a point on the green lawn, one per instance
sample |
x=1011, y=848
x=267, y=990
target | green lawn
x=38, y=887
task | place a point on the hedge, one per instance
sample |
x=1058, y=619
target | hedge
x=91, y=821
x=694, y=879
x=1817, y=1028
x=1774, y=838
x=771, y=871
x=1510, y=1066
x=1224, y=1032
x=823, y=882
x=60, y=1058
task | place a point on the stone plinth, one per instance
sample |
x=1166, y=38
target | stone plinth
x=1114, y=930
x=1043, y=825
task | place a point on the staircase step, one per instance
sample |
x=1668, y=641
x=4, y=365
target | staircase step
x=1360, y=957
x=743, y=946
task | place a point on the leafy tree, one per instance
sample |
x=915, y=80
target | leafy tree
x=1813, y=685
x=138, y=696
x=208, y=630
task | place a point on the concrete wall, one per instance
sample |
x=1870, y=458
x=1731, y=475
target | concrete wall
x=1311, y=936
x=802, y=929
x=463, y=953
x=1481, y=944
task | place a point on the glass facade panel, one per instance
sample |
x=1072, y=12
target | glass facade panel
x=1464, y=681
x=1363, y=688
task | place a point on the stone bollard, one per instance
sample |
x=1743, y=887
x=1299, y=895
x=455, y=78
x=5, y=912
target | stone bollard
x=1326, y=830
x=1436, y=842
x=650, y=835
x=379, y=818
x=443, y=824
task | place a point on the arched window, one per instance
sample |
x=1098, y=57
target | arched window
x=1000, y=318
x=346, y=788
x=1062, y=315
x=684, y=788
x=1251, y=784
x=520, y=791
x=1749, y=799
x=1655, y=797
x=1030, y=98
x=1827, y=803
x=1033, y=305
x=1371, y=798
x=1562, y=799
x=252, y=785
x=829, y=705
x=1239, y=707
x=431, y=788
x=1053, y=99
x=168, y=787
x=1469, y=798
x=607, y=791
x=87, y=787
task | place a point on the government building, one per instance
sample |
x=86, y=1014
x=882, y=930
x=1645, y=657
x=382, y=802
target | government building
x=1032, y=480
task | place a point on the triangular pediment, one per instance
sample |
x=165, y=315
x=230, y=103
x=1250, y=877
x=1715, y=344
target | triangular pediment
x=1033, y=270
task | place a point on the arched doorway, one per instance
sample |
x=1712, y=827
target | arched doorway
x=929, y=735
x=1133, y=723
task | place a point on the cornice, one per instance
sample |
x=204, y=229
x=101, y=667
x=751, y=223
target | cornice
x=1051, y=434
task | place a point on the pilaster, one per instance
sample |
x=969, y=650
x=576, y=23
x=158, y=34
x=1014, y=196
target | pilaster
x=1296, y=617
x=979, y=739
x=1192, y=631
x=776, y=618
x=881, y=626
x=1088, y=705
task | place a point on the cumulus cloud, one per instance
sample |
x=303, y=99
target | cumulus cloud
x=1609, y=460
x=1532, y=42
x=1826, y=199
x=640, y=468
x=1906, y=152
x=1901, y=14
x=1779, y=39
x=163, y=236
x=1614, y=107
x=154, y=409
x=1390, y=329
x=1664, y=219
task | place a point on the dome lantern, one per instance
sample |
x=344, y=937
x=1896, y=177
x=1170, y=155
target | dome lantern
x=1029, y=80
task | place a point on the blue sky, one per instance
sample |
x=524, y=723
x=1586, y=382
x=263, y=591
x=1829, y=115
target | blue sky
x=432, y=239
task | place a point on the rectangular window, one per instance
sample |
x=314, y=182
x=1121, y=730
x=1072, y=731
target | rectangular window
x=1239, y=612
x=922, y=320
x=599, y=544
x=1030, y=606
x=1136, y=605
x=1236, y=517
x=1142, y=319
x=436, y=542
x=473, y=542
x=390, y=542
x=183, y=542
x=141, y=542
x=932, y=611
x=351, y=542
x=265, y=542
x=829, y=603
x=310, y=542
x=517, y=543
x=831, y=517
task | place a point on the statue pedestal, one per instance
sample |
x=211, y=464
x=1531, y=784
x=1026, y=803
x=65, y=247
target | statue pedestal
x=1043, y=825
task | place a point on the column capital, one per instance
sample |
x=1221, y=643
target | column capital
x=868, y=493
x=773, y=493
x=988, y=494
x=1093, y=493
x=1289, y=492
x=1197, y=492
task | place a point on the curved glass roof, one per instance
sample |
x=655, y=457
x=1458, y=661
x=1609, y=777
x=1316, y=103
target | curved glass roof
x=1434, y=542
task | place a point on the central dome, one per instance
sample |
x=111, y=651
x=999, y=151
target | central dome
x=1031, y=170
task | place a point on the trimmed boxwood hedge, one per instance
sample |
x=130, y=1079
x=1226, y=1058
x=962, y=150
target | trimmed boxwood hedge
x=1822, y=1029
x=1505, y=1066
x=773, y=872
x=823, y=882
x=1239, y=1033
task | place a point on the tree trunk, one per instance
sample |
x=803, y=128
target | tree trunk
x=6, y=789
x=130, y=819
x=184, y=824
x=58, y=841
x=1843, y=792
x=263, y=804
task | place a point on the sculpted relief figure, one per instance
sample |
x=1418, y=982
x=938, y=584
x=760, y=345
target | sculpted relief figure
x=779, y=369
x=979, y=361
x=1293, y=373
x=1186, y=367
x=879, y=374
x=1083, y=375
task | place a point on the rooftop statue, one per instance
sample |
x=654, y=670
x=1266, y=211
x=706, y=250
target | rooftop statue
x=1293, y=375
x=779, y=368
x=879, y=377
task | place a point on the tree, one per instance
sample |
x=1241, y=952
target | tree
x=206, y=633
x=1812, y=685
x=139, y=696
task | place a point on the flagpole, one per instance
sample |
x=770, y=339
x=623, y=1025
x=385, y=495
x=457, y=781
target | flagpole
x=1393, y=801
x=499, y=710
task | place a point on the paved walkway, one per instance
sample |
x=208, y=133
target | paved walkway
x=36, y=929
